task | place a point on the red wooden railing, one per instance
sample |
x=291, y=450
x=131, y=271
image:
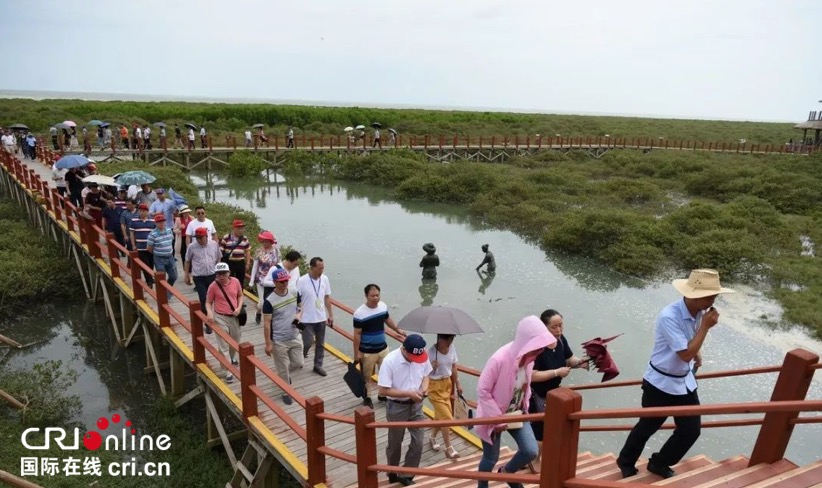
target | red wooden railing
x=564, y=405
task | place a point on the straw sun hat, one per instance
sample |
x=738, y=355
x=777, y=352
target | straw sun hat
x=701, y=283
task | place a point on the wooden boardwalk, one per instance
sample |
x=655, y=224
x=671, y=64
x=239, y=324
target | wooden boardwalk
x=288, y=446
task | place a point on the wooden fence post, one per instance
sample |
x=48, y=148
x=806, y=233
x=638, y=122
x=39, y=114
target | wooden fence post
x=315, y=438
x=792, y=384
x=113, y=254
x=196, y=332
x=248, y=378
x=366, y=442
x=162, y=299
x=133, y=256
x=559, y=447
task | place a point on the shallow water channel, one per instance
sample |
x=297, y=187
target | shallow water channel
x=364, y=236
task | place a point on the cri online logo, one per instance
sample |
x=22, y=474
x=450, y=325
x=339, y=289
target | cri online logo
x=92, y=440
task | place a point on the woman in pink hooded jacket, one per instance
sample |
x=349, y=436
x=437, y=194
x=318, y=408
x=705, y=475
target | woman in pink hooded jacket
x=505, y=386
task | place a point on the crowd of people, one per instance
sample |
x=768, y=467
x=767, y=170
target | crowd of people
x=295, y=311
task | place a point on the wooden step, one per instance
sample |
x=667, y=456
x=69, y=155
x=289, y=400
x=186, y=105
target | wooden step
x=803, y=477
x=614, y=473
x=683, y=467
x=591, y=471
x=706, y=473
x=595, y=461
x=750, y=475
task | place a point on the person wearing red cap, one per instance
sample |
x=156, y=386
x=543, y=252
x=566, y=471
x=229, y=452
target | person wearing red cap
x=201, y=257
x=265, y=257
x=140, y=229
x=403, y=380
x=160, y=244
x=236, y=251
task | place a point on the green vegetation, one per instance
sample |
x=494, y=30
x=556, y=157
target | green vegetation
x=222, y=119
x=245, y=164
x=642, y=214
x=44, y=388
x=31, y=265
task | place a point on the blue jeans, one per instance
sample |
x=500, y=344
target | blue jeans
x=201, y=284
x=526, y=452
x=168, y=265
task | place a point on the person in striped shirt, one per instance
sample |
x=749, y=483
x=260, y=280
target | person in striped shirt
x=237, y=251
x=139, y=230
x=160, y=243
x=281, y=317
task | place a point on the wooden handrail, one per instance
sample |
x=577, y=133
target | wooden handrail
x=279, y=412
x=275, y=378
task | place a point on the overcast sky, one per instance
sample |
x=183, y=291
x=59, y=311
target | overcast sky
x=737, y=59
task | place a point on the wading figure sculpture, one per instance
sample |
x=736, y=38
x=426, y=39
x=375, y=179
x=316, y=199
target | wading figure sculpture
x=429, y=262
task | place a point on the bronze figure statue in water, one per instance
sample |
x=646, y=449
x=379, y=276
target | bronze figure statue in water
x=429, y=262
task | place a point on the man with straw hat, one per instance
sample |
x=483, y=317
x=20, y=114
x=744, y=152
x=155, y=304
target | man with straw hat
x=681, y=329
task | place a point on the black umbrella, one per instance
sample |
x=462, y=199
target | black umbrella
x=258, y=126
x=160, y=124
x=376, y=125
x=191, y=126
x=19, y=127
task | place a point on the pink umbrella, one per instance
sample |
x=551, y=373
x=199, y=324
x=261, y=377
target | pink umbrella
x=597, y=351
x=70, y=123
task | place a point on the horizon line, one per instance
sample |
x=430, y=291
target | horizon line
x=39, y=95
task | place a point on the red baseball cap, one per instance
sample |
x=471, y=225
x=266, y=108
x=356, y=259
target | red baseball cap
x=201, y=231
x=159, y=218
x=238, y=223
x=142, y=206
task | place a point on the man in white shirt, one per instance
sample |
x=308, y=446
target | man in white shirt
x=376, y=138
x=290, y=138
x=403, y=380
x=247, y=138
x=315, y=296
x=200, y=221
x=58, y=175
x=190, y=138
x=202, y=137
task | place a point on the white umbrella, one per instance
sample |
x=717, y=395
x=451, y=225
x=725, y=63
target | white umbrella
x=100, y=180
x=360, y=127
x=70, y=123
x=348, y=129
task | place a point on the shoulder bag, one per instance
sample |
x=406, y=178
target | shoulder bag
x=242, y=318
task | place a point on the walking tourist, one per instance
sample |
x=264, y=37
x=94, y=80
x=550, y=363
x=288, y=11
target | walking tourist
x=550, y=367
x=200, y=221
x=281, y=319
x=93, y=204
x=140, y=228
x=315, y=294
x=681, y=329
x=124, y=136
x=190, y=139
x=203, y=137
x=160, y=244
x=101, y=137
x=31, y=146
x=74, y=181
x=167, y=208
x=58, y=176
x=107, y=136
x=201, y=258
x=443, y=379
x=224, y=302
x=248, y=141
x=266, y=256
x=291, y=263
x=178, y=136
x=504, y=388
x=146, y=194
x=163, y=140
x=376, y=139
x=180, y=227
x=146, y=137
x=54, y=142
x=236, y=250
x=112, y=214
x=403, y=380
x=290, y=137
x=370, y=347
x=127, y=215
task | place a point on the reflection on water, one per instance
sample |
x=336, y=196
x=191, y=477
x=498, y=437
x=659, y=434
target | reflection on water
x=486, y=278
x=366, y=237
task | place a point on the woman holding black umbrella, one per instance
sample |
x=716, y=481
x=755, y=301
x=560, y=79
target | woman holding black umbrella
x=550, y=367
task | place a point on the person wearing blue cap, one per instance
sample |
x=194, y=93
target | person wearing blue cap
x=403, y=380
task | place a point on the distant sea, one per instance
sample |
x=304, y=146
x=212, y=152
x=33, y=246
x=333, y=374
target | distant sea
x=134, y=97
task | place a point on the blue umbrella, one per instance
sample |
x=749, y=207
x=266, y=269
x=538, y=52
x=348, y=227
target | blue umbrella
x=135, y=178
x=96, y=122
x=176, y=197
x=72, y=161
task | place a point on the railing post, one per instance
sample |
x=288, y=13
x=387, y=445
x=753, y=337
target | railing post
x=93, y=240
x=559, y=446
x=133, y=256
x=162, y=299
x=366, y=442
x=248, y=378
x=113, y=254
x=196, y=332
x=792, y=384
x=315, y=438
x=57, y=204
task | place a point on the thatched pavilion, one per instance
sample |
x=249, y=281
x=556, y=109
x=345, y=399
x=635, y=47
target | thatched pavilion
x=813, y=123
